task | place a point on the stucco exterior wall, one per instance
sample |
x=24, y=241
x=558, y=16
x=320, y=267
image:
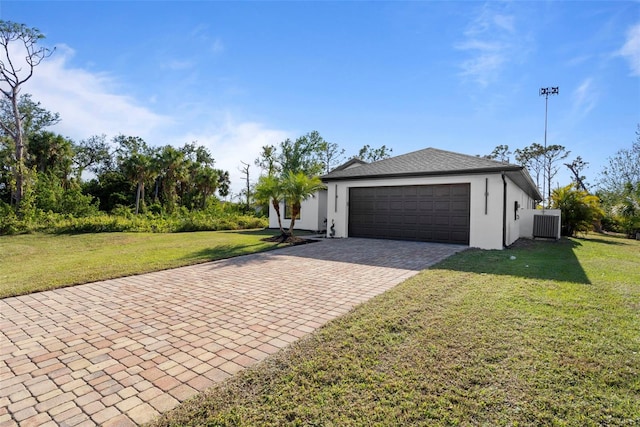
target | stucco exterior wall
x=514, y=228
x=486, y=213
x=313, y=212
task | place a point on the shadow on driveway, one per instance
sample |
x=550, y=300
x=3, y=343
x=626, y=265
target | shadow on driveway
x=404, y=255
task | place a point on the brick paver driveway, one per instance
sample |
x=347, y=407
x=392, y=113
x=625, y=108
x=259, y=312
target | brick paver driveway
x=119, y=352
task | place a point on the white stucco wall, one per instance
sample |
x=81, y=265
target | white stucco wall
x=485, y=228
x=515, y=227
x=313, y=212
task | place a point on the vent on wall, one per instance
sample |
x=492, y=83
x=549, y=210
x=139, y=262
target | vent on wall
x=546, y=226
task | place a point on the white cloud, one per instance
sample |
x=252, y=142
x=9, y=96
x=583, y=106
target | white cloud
x=631, y=49
x=584, y=98
x=491, y=41
x=178, y=65
x=484, y=46
x=201, y=34
x=88, y=103
x=482, y=66
x=217, y=46
x=505, y=22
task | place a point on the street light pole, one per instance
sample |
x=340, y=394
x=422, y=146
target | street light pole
x=546, y=91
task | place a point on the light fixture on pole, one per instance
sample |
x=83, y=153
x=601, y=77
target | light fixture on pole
x=546, y=91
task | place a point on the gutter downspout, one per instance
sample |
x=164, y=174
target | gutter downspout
x=504, y=212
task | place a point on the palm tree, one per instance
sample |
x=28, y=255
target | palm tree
x=269, y=190
x=205, y=182
x=138, y=169
x=579, y=209
x=174, y=171
x=628, y=210
x=223, y=182
x=136, y=162
x=296, y=187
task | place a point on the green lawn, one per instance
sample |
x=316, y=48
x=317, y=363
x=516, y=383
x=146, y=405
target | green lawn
x=35, y=262
x=551, y=337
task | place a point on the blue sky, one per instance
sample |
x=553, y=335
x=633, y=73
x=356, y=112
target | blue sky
x=233, y=76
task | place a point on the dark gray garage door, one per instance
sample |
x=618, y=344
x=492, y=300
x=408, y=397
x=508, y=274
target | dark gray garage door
x=430, y=213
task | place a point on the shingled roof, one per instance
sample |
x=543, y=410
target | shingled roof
x=433, y=162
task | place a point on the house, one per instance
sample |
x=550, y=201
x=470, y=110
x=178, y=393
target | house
x=312, y=217
x=428, y=195
x=313, y=211
x=433, y=195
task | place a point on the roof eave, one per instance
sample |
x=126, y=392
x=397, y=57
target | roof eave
x=528, y=185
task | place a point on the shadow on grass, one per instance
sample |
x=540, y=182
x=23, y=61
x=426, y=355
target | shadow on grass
x=605, y=242
x=224, y=252
x=255, y=232
x=544, y=260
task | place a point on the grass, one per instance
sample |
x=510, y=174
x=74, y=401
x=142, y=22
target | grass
x=37, y=262
x=548, y=338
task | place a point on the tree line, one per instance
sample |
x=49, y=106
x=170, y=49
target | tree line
x=125, y=171
x=42, y=170
x=612, y=203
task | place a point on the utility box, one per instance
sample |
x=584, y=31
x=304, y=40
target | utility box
x=546, y=226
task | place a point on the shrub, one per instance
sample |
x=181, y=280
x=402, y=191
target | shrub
x=122, y=219
x=9, y=223
x=579, y=209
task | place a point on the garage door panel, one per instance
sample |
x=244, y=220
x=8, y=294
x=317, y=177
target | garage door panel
x=380, y=220
x=425, y=205
x=442, y=235
x=438, y=213
x=442, y=220
x=411, y=220
x=459, y=221
x=425, y=220
x=395, y=220
x=409, y=191
x=425, y=235
x=409, y=205
x=442, y=206
x=459, y=206
x=459, y=236
x=395, y=191
x=381, y=205
x=460, y=191
x=364, y=220
x=425, y=190
x=442, y=191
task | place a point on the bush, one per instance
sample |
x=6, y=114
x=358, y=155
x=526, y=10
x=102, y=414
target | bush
x=50, y=195
x=122, y=219
x=9, y=223
x=623, y=211
x=579, y=209
x=610, y=223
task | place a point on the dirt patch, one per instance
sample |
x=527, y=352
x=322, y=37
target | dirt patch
x=530, y=243
x=288, y=239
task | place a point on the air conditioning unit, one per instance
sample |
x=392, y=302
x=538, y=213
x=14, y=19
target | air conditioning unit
x=546, y=226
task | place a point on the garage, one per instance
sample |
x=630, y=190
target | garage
x=430, y=213
x=431, y=195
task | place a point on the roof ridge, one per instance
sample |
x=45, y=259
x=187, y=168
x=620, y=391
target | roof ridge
x=455, y=153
